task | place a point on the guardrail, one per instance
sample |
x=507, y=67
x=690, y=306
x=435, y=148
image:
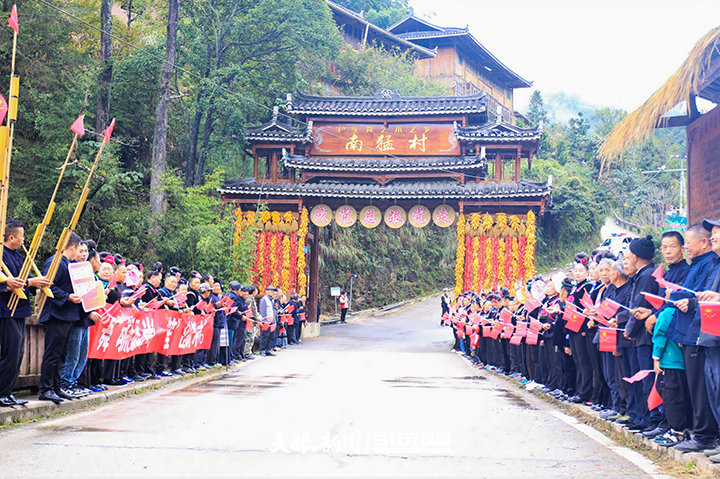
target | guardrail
x=626, y=224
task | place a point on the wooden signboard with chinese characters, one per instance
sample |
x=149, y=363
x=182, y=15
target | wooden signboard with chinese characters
x=703, y=140
x=375, y=139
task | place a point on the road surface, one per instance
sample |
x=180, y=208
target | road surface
x=379, y=396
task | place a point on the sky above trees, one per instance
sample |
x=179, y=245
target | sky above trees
x=611, y=53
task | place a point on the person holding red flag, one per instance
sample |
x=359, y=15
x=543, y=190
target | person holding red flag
x=685, y=329
x=710, y=344
x=586, y=366
x=554, y=342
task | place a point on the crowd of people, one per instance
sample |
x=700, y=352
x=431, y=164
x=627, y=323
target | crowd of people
x=66, y=371
x=657, y=352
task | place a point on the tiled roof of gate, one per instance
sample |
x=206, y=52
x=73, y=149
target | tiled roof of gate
x=381, y=164
x=392, y=191
x=498, y=132
x=386, y=103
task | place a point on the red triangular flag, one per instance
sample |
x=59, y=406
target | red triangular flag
x=710, y=318
x=654, y=399
x=78, y=125
x=658, y=273
x=108, y=131
x=657, y=302
x=3, y=108
x=13, y=20
x=608, y=340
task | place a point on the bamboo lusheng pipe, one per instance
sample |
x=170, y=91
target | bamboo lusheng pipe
x=39, y=232
x=65, y=236
x=6, y=141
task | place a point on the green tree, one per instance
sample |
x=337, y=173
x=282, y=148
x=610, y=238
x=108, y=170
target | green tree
x=536, y=110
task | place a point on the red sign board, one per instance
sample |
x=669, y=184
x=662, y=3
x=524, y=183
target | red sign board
x=703, y=140
x=376, y=139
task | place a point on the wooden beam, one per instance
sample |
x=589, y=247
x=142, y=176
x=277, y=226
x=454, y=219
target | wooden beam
x=256, y=165
x=673, y=121
x=517, y=164
x=313, y=275
x=273, y=166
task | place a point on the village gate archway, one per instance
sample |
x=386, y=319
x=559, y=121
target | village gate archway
x=390, y=159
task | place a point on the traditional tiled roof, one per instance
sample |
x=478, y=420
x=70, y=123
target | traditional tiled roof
x=424, y=33
x=386, y=103
x=392, y=191
x=344, y=16
x=275, y=130
x=498, y=132
x=381, y=164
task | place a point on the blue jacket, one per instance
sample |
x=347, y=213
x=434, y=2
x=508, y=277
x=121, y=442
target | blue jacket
x=220, y=320
x=684, y=328
x=667, y=351
x=59, y=307
x=712, y=284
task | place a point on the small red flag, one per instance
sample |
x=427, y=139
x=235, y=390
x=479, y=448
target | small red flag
x=710, y=318
x=654, y=399
x=3, y=108
x=249, y=326
x=289, y=308
x=638, y=376
x=152, y=305
x=113, y=282
x=516, y=340
x=226, y=301
x=505, y=316
x=531, y=338
x=531, y=304
x=658, y=273
x=496, y=330
x=78, y=125
x=113, y=310
x=507, y=333
x=139, y=292
x=601, y=320
x=657, y=302
x=608, y=340
x=521, y=328
x=108, y=131
x=487, y=331
x=232, y=310
x=608, y=308
x=574, y=319
x=535, y=325
x=180, y=298
x=586, y=302
x=13, y=20
x=668, y=285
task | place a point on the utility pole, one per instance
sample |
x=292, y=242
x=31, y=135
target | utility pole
x=683, y=172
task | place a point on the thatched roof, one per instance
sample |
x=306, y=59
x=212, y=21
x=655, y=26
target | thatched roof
x=695, y=77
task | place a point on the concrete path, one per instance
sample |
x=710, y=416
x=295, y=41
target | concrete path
x=380, y=396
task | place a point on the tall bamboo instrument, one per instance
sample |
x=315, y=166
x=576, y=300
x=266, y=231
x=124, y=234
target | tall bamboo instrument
x=29, y=263
x=6, y=140
x=65, y=236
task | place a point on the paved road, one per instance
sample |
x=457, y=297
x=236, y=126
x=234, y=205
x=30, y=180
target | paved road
x=376, y=397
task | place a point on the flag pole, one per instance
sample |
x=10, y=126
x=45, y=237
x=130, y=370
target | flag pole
x=70, y=228
x=40, y=230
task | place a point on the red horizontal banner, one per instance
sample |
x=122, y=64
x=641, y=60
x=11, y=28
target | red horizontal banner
x=163, y=331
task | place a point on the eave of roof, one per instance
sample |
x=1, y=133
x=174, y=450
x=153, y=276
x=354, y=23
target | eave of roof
x=392, y=191
x=513, y=79
x=390, y=105
x=372, y=164
x=497, y=132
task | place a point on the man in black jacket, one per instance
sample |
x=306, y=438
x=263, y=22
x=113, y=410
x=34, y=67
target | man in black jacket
x=12, y=326
x=58, y=317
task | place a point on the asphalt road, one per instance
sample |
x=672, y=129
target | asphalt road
x=380, y=396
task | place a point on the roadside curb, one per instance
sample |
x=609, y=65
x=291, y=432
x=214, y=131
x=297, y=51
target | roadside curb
x=37, y=409
x=588, y=415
